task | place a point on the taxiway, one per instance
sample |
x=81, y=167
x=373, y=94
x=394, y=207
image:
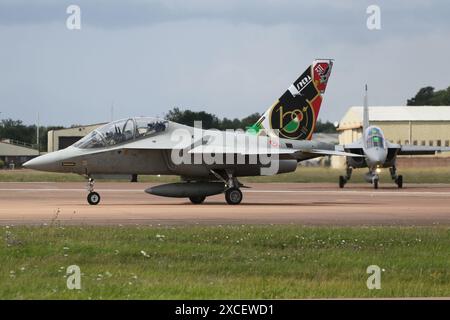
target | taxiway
x=264, y=203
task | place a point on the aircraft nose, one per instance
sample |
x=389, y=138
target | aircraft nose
x=46, y=162
x=376, y=157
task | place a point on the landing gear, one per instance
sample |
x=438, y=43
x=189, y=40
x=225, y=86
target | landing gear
x=397, y=178
x=372, y=177
x=343, y=180
x=93, y=197
x=399, y=181
x=197, y=200
x=375, y=183
x=233, y=196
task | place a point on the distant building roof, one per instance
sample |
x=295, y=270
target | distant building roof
x=354, y=115
x=79, y=128
x=11, y=148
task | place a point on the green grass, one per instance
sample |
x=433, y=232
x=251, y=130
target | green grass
x=302, y=174
x=38, y=176
x=25, y=175
x=196, y=262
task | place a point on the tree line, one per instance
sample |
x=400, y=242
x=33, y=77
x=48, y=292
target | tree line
x=210, y=121
x=428, y=97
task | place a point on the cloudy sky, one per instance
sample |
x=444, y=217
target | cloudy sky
x=228, y=57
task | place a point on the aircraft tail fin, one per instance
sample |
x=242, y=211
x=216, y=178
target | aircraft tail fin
x=365, y=111
x=294, y=114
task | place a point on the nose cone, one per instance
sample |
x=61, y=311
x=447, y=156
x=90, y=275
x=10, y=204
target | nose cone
x=47, y=162
x=376, y=156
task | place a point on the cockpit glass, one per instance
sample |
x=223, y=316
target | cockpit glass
x=122, y=131
x=92, y=140
x=144, y=127
x=375, y=138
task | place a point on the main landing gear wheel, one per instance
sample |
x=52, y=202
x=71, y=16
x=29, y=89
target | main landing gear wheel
x=197, y=200
x=93, y=198
x=399, y=181
x=233, y=196
x=342, y=181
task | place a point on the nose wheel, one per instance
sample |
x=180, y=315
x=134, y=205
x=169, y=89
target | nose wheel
x=93, y=198
x=375, y=183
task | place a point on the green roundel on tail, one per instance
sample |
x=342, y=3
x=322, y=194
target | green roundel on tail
x=292, y=125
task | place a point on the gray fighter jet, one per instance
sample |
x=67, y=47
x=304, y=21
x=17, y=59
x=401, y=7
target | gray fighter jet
x=209, y=162
x=378, y=153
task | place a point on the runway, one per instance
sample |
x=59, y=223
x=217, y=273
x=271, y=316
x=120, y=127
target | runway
x=264, y=203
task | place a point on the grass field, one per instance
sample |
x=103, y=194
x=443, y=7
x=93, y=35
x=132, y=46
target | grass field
x=193, y=262
x=303, y=174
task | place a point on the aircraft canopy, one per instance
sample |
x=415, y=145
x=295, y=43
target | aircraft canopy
x=375, y=138
x=121, y=131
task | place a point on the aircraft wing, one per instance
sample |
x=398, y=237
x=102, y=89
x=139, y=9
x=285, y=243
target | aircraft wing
x=409, y=149
x=353, y=149
x=349, y=146
x=240, y=150
x=196, y=147
x=333, y=153
x=265, y=151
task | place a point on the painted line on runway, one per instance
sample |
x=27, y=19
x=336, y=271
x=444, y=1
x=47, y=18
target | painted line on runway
x=333, y=192
x=355, y=192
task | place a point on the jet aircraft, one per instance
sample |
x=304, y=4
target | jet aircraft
x=209, y=162
x=378, y=152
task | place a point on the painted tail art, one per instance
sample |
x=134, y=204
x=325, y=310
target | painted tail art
x=294, y=114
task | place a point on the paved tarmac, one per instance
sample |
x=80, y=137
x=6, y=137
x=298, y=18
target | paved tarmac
x=264, y=203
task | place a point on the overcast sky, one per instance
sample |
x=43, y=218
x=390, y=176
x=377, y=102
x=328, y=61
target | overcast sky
x=228, y=57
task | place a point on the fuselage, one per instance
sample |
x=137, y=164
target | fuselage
x=150, y=146
x=375, y=148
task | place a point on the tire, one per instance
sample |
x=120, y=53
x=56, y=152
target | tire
x=399, y=181
x=375, y=184
x=93, y=198
x=233, y=196
x=197, y=200
x=341, y=182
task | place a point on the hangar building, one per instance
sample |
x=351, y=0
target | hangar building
x=14, y=153
x=62, y=138
x=417, y=125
